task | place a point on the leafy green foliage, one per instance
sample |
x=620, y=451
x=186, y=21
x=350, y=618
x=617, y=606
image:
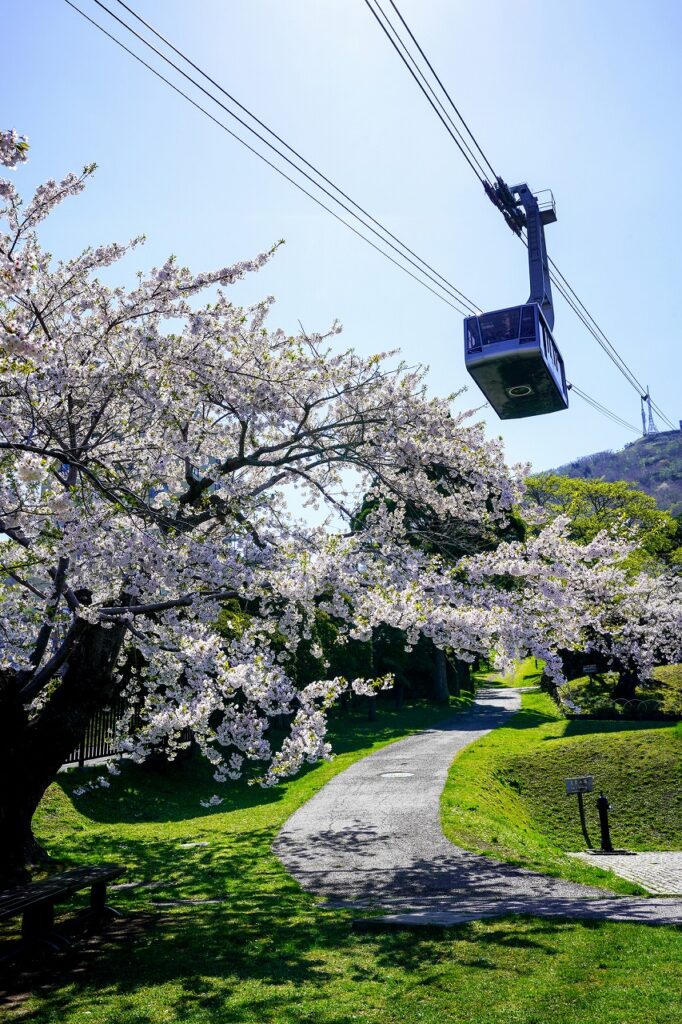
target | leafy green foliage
x=594, y=505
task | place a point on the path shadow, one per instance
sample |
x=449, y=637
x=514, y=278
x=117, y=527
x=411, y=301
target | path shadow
x=354, y=864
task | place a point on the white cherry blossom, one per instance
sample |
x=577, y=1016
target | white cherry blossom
x=150, y=440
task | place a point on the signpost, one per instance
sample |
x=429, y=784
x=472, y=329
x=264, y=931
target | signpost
x=581, y=784
x=589, y=670
x=603, y=806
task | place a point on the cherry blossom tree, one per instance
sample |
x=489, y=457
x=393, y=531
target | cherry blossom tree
x=151, y=438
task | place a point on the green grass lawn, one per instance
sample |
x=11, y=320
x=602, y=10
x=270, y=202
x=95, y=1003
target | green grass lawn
x=268, y=955
x=524, y=673
x=505, y=795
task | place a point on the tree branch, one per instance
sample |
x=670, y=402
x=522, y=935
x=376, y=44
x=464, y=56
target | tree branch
x=162, y=606
x=36, y=683
x=50, y=614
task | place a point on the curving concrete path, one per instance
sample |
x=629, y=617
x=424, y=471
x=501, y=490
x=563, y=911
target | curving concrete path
x=372, y=837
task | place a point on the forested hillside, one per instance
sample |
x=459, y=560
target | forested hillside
x=653, y=464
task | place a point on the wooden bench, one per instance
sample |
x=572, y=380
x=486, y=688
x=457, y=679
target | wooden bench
x=36, y=901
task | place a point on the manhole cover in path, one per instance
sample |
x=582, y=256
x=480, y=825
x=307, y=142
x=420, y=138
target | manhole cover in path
x=396, y=775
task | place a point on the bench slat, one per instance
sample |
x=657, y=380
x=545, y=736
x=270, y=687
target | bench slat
x=56, y=887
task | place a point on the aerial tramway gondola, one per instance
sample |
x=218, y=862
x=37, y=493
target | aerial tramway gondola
x=511, y=353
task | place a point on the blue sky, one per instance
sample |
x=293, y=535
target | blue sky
x=582, y=97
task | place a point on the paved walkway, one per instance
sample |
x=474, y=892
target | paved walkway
x=372, y=838
x=659, y=871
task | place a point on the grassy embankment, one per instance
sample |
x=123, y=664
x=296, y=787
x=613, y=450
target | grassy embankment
x=505, y=795
x=663, y=692
x=265, y=954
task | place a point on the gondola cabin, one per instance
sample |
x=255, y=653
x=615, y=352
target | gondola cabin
x=513, y=358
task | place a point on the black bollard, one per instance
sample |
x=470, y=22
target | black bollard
x=603, y=807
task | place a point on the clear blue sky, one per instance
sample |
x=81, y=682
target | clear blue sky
x=582, y=97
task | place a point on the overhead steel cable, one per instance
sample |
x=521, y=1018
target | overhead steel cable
x=287, y=177
x=265, y=160
x=607, y=345
x=423, y=83
x=451, y=291
x=574, y=303
x=283, y=142
x=603, y=409
x=568, y=293
x=596, y=407
x=445, y=91
x=613, y=356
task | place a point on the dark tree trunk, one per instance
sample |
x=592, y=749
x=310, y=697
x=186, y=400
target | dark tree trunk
x=17, y=844
x=463, y=675
x=441, y=693
x=625, y=688
x=32, y=751
x=371, y=709
x=452, y=677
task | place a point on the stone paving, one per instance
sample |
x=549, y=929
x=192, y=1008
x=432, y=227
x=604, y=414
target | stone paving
x=658, y=872
x=372, y=838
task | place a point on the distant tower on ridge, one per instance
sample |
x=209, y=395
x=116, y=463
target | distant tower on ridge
x=648, y=422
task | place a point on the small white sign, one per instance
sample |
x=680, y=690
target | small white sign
x=589, y=669
x=583, y=784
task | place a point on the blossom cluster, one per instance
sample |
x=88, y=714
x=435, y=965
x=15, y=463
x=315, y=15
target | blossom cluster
x=151, y=439
x=13, y=148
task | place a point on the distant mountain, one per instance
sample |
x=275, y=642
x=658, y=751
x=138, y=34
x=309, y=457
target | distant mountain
x=653, y=464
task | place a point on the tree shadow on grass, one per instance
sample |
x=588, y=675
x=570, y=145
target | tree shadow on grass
x=267, y=962
x=265, y=954
x=163, y=793
x=264, y=933
x=595, y=726
x=410, y=948
x=248, y=957
x=262, y=953
x=527, y=719
x=166, y=792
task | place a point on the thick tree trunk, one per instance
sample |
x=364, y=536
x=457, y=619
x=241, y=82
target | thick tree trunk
x=625, y=688
x=33, y=749
x=18, y=847
x=441, y=693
